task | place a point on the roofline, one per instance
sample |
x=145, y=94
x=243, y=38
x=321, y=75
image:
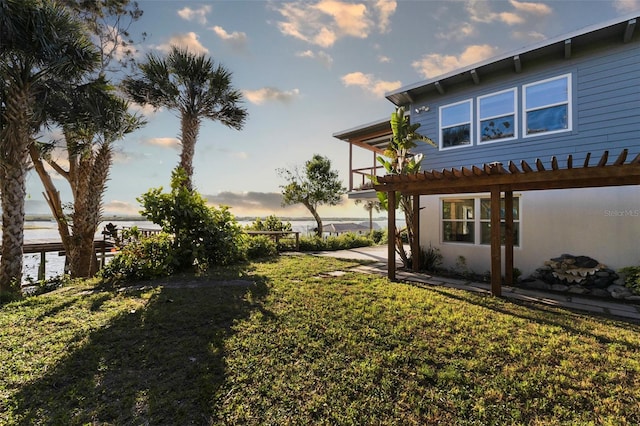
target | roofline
x=404, y=91
x=345, y=135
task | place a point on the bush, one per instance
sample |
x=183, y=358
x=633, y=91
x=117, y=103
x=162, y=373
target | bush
x=203, y=235
x=379, y=236
x=270, y=223
x=431, y=259
x=260, y=246
x=632, y=278
x=150, y=257
x=340, y=242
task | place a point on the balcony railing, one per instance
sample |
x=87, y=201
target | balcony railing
x=360, y=178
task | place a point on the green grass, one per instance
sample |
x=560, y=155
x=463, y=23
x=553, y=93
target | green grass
x=300, y=347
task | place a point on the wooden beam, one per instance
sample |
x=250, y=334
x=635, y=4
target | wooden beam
x=586, y=160
x=415, y=248
x=621, y=158
x=508, y=237
x=567, y=49
x=391, y=236
x=474, y=76
x=554, y=163
x=570, y=162
x=539, y=165
x=628, y=32
x=517, y=65
x=496, y=261
x=526, y=167
x=603, y=159
x=513, y=168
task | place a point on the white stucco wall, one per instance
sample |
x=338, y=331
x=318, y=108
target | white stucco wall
x=603, y=223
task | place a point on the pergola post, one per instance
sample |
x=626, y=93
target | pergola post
x=415, y=244
x=391, y=238
x=508, y=237
x=496, y=261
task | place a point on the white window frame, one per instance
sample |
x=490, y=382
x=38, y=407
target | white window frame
x=470, y=122
x=514, y=113
x=477, y=219
x=568, y=102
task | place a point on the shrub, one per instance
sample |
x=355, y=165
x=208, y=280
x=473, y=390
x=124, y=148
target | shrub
x=270, y=223
x=431, y=259
x=378, y=236
x=260, y=246
x=632, y=278
x=203, y=235
x=146, y=258
x=340, y=242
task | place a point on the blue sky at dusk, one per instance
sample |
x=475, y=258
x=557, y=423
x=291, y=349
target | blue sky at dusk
x=307, y=70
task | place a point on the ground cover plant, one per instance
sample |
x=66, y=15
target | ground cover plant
x=289, y=341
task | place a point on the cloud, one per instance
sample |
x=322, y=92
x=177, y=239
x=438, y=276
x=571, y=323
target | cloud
x=237, y=40
x=540, y=9
x=369, y=83
x=321, y=56
x=433, y=65
x=458, y=31
x=385, y=9
x=626, y=5
x=529, y=36
x=189, y=41
x=480, y=11
x=199, y=15
x=115, y=207
x=265, y=94
x=146, y=110
x=255, y=204
x=384, y=59
x=326, y=21
x=162, y=142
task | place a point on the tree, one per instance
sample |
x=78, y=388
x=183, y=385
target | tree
x=92, y=119
x=370, y=206
x=192, y=86
x=400, y=160
x=315, y=186
x=40, y=43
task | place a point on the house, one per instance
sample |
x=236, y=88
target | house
x=556, y=102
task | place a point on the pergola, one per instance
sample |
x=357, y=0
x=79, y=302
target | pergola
x=496, y=179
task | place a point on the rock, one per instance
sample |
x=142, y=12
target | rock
x=598, y=292
x=633, y=298
x=576, y=289
x=585, y=262
x=622, y=293
x=538, y=285
x=603, y=274
x=616, y=288
x=559, y=287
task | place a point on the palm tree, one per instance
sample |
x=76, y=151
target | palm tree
x=191, y=85
x=39, y=42
x=92, y=118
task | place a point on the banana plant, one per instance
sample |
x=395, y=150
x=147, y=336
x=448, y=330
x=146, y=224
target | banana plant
x=399, y=160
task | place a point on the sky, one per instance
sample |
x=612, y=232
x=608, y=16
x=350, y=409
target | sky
x=309, y=69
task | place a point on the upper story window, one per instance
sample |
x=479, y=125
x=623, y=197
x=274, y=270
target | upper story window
x=455, y=125
x=547, y=106
x=497, y=116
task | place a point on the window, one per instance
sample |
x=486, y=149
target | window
x=547, y=106
x=455, y=125
x=485, y=221
x=461, y=224
x=497, y=116
x=458, y=223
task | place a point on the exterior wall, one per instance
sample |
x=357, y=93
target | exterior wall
x=605, y=103
x=603, y=223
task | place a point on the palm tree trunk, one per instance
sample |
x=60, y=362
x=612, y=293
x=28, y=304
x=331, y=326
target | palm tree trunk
x=189, y=136
x=15, y=139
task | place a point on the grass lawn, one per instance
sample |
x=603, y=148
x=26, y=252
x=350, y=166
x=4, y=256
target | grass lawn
x=282, y=343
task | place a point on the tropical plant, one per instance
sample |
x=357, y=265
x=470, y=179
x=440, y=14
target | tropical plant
x=399, y=160
x=312, y=187
x=203, y=236
x=270, y=223
x=370, y=206
x=92, y=119
x=40, y=44
x=191, y=85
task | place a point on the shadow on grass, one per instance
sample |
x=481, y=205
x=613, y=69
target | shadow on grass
x=550, y=316
x=159, y=365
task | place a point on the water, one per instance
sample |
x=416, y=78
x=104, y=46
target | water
x=54, y=266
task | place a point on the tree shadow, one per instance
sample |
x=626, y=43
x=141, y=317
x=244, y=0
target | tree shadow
x=159, y=365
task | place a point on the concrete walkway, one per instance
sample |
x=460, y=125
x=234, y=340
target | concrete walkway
x=378, y=255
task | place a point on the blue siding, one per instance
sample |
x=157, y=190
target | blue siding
x=605, y=103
